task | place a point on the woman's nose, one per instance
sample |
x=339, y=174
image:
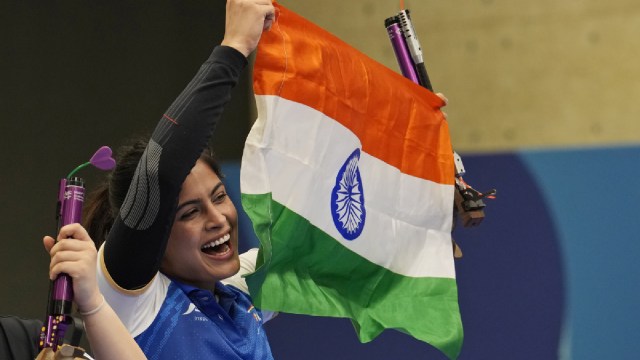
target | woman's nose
x=215, y=218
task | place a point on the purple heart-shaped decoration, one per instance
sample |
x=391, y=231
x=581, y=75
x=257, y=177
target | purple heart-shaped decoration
x=102, y=159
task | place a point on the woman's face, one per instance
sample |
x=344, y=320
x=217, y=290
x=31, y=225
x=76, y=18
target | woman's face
x=203, y=244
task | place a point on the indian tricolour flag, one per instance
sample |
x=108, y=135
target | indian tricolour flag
x=348, y=178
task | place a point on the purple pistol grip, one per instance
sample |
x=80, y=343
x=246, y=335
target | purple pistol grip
x=70, y=199
x=400, y=49
x=71, y=212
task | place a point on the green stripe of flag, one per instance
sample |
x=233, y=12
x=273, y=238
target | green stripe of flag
x=305, y=271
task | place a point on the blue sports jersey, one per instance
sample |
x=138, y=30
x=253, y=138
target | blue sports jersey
x=191, y=324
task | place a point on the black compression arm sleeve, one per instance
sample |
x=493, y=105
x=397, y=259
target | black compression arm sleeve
x=137, y=241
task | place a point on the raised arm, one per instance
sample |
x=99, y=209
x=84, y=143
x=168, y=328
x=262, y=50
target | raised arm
x=137, y=241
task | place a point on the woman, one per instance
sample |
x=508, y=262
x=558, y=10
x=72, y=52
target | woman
x=172, y=230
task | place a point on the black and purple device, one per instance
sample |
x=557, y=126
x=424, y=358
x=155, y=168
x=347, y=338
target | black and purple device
x=59, y=326
x=408, y=51
x=70, y=200
x=400, y=49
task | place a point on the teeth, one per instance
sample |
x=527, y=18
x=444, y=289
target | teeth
x=220, y=241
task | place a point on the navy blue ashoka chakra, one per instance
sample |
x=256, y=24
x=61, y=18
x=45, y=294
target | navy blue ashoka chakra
x=347, y=199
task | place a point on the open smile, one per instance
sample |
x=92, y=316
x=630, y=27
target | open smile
x=219, y=247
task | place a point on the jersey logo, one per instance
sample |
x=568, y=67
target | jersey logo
x=253, y=311
x=192, y=308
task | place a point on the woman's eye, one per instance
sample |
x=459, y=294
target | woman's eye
x=188, y=214
x=219, y=197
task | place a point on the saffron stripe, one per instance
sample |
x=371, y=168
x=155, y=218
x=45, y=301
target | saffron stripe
x=396, y=120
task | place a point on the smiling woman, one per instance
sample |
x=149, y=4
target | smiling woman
x=167, y=230
x=203, y=243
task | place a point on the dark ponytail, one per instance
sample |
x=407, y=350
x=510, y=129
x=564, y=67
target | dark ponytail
x=98, y=216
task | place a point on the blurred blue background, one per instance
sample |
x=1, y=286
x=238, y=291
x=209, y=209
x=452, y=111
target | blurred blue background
x=550, y=273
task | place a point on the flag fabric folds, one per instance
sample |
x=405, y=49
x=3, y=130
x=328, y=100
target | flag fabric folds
x=347, y=176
